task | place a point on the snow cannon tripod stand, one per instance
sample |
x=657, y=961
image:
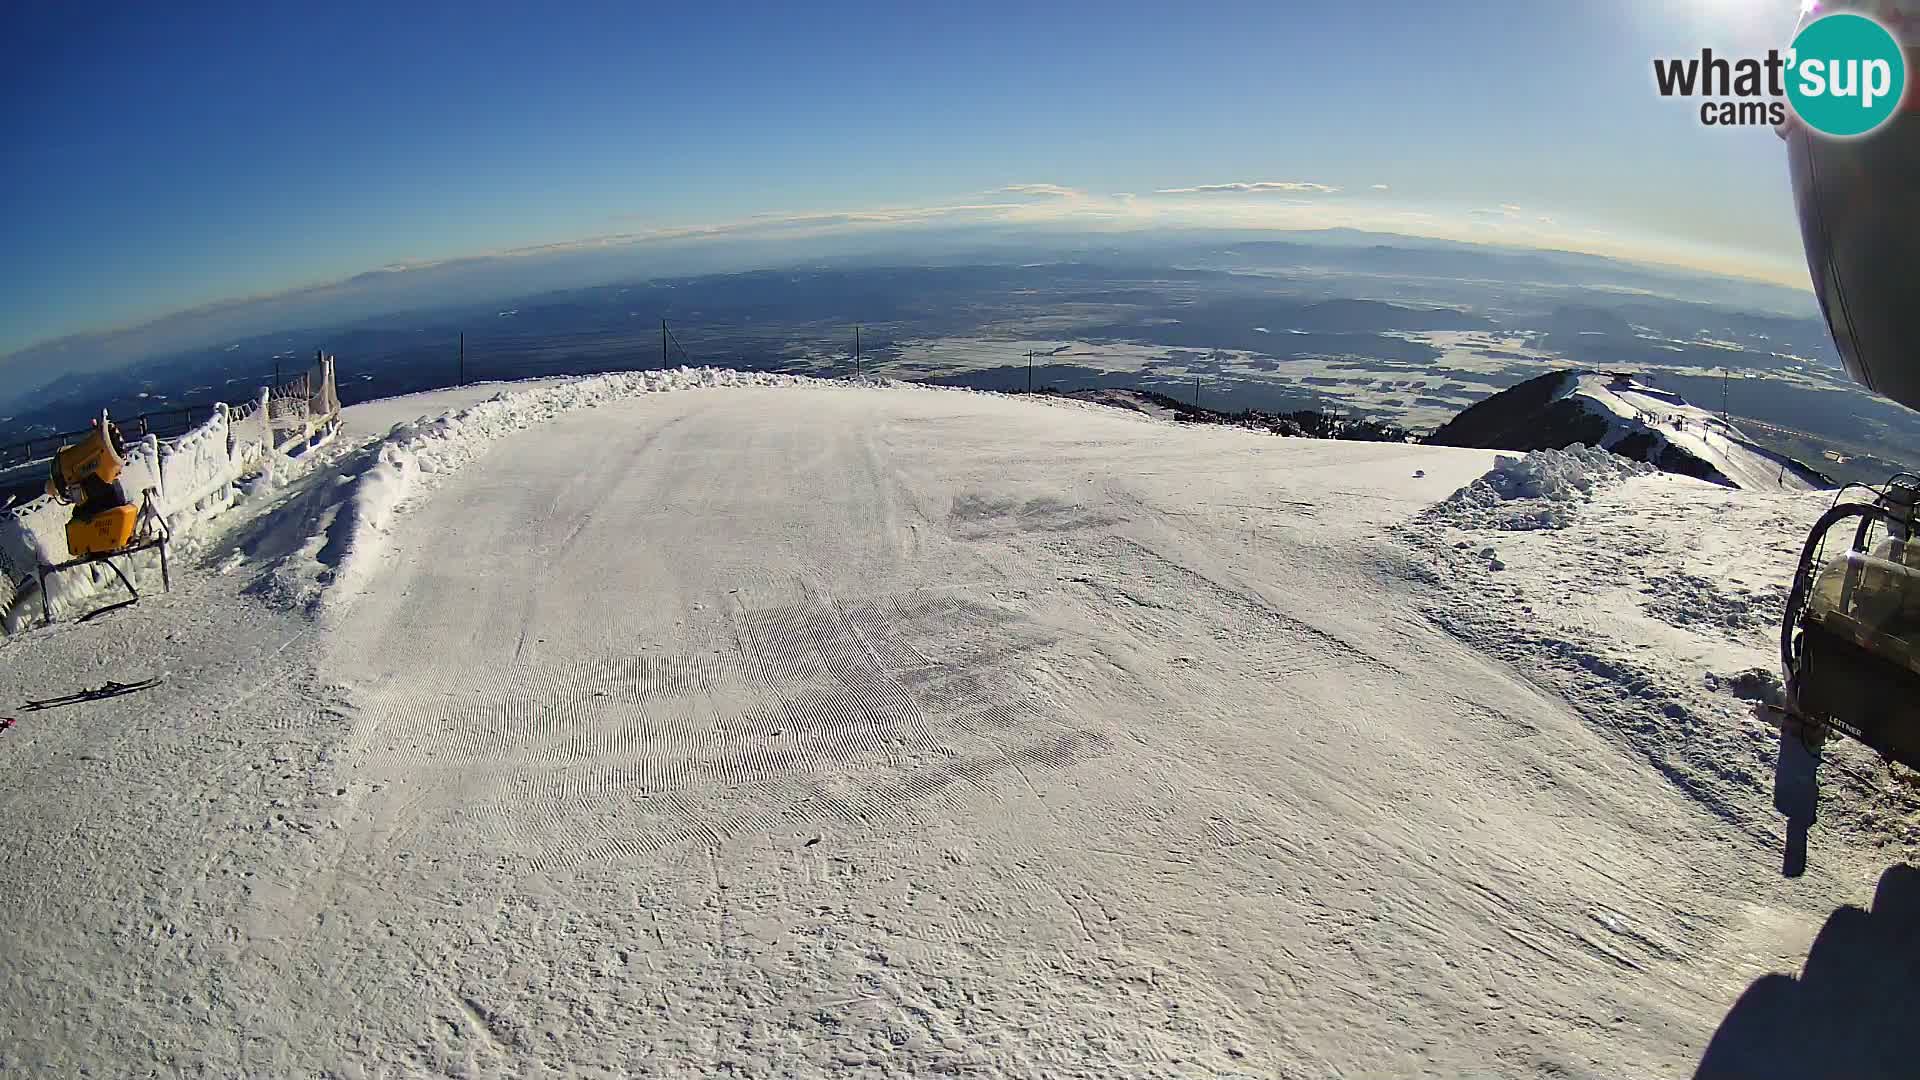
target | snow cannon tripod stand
x=1850, y=643
x=105, y=523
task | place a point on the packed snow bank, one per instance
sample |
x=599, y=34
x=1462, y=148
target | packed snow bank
x=375, y=417
x=1653, y=607
x=1538, y=491
x=347, y=534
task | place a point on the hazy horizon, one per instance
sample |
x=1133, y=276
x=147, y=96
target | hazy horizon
x=818, y=239
x=274, y=157
x=1792, y=275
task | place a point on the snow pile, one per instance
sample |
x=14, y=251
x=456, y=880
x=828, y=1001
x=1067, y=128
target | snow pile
x=1130, y=400
x=1569, y=475
x=1655, y=615
x=349, y=534
x=1753, y=684
x=1538, y=491
x=275, y=468
x=1697, y=601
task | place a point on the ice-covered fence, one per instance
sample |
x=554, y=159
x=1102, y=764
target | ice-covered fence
x=305, y=409
x=198, y=472
x=248, y=432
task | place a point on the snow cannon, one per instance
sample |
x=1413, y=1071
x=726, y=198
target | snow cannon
x=1850, y=643
x=1859, y=205
x=105, y=523
x=87, y=475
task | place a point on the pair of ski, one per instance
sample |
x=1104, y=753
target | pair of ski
x=110, y=689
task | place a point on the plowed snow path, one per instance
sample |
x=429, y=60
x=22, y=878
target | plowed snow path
x=807, y=730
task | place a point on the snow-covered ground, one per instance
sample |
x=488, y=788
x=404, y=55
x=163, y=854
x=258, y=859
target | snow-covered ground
x=806, y=729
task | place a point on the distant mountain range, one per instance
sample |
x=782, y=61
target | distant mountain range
x=482, y=283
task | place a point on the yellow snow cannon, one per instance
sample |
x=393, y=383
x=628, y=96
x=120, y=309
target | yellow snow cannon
x=87, y=475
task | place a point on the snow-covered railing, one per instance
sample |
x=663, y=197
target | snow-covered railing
x=302, y=410
x=247, y=429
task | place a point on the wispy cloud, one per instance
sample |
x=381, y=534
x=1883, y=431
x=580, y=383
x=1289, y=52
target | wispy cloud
x=1381, y=187
x=1503, y=212
x=1255, y=187
x=1051, y=191
x=893, y=215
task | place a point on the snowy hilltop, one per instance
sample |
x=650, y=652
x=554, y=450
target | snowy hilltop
x=1628, y=418
x=700, y=723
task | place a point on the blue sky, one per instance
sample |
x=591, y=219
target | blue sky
x=156, y=157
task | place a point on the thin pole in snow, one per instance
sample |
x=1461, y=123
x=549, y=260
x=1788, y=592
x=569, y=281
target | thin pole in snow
x=1196, y=391
x=463, y=359
x=1029, y=372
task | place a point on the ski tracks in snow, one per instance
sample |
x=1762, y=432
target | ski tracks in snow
x=840, y=672
x=832, y=730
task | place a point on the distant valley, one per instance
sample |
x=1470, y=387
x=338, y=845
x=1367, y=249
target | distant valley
x=1405, y=332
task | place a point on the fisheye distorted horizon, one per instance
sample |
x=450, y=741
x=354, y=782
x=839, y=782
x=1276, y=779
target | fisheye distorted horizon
x=159, y=159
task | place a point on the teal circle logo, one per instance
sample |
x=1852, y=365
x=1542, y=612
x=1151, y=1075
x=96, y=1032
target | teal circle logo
x=1847, y=74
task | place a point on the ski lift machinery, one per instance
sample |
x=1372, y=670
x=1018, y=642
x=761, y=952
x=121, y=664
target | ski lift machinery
x=1850, y=639
x=1850, y=634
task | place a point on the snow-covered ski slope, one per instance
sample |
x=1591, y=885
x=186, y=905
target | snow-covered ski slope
x=1638, y=410
x=826, y=730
